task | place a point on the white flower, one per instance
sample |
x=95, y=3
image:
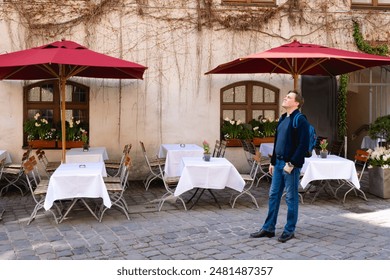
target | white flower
x=227, y=119
x=37, y=115
x=78, y=122
x=256, y=128
x=232, y=122
x=239, y=122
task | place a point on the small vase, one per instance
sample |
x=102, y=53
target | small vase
x=324, y=153
x=206, y=157
x=85, y=147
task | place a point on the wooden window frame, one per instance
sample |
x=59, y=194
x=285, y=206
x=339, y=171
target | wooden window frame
x=55, y=104
x=249, y=105
x=249, y=2
x=373, y=5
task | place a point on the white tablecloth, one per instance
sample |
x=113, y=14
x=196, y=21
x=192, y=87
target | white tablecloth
x=266, y=149
x=94, y=154
x=6, y=155
x=368, y=143
x=174, y=154
x=218, y=173
x=72, y=181
x=330, y=168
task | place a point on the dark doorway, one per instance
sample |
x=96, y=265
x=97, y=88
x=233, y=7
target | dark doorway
x=320, y=105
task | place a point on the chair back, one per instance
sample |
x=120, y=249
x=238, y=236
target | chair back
x=337, y=148
x=2, y=164
x=145, y=154
x=124, y=175
x=217, y=148
x=251, y=147
x=361, y=159
x=255, y=165
x=28, y=168
x=222, y=149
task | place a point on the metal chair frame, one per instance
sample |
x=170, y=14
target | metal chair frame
x=116, y=165
x=361, y=158
x=48, y=166
x=116, y=190
x=38, y=189
x=249, y=181
x=217, y=149
x=169, y=183
x=13, y=174
x=153, y=166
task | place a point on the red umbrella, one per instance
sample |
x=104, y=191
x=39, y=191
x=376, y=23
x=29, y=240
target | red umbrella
x=63, y=60
x=301, y=59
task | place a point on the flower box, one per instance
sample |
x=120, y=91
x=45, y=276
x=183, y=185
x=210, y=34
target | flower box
x=259, y=140
x=379, y=181
x=233, y=143
x=71, y=144
x=36, y=144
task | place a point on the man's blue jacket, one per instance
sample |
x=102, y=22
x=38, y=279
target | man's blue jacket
x=297, y=145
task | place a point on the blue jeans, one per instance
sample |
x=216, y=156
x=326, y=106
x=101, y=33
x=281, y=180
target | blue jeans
x=281, y=181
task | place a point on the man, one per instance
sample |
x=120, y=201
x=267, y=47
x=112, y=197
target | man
x=290, y=147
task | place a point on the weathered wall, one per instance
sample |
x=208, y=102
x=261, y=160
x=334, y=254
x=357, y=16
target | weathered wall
x=179, y=41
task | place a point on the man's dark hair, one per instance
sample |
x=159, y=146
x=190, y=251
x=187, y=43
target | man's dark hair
x=298, y=98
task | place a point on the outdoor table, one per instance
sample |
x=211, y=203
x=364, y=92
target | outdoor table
x=369, y=143
x=6, y=155
x=94, y=154
x=77, y=181
x=266, y=149
x=174, y=154
x=331, y=168
x=217, y=173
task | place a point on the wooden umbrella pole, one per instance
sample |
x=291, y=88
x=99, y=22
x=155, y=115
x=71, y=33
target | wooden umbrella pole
x=63, y=126
x=295, y=81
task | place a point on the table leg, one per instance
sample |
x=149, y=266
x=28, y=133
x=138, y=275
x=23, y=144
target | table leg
x=324, y=185
x=74, y=201
x=200, y=195
x=1, y=214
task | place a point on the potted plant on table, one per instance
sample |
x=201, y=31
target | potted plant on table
x=206, y=151
x=324, y=151
x=84, y=138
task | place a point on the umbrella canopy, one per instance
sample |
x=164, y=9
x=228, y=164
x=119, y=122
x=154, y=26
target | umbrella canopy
x=63, y=60
x=301, y=59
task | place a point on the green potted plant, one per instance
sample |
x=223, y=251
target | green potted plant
x=39, y=132
x=264, y=130
x=380, y=129
x=324, y=151
x=74, y=130
x=206, y=151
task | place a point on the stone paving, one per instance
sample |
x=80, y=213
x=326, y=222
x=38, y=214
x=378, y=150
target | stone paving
x=327, y=229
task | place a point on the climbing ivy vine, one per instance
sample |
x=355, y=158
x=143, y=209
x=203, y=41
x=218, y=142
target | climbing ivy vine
x=363, y=46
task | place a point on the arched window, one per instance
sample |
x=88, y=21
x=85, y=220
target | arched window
x=248, y=100
x=44, y=98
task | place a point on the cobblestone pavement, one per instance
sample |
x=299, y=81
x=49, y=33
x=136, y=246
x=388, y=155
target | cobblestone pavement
x=327, y=229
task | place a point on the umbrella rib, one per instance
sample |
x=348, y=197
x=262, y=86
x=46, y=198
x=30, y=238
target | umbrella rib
x=352, y=63
x=280, y=67
x=13, y=73
x=317, y=62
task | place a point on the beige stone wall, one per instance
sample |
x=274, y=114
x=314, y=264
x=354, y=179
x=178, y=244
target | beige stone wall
x=179, y=41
